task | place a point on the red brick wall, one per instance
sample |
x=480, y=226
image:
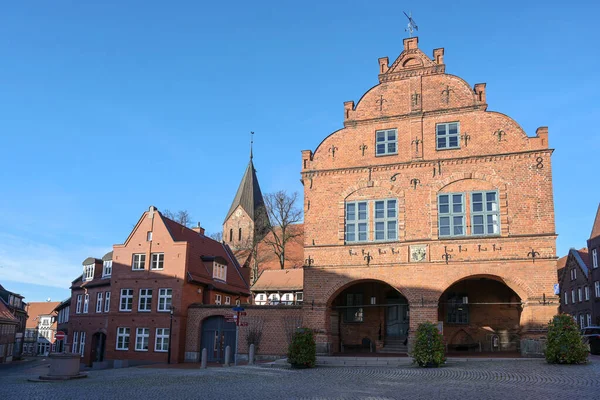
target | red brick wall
x=233, y=224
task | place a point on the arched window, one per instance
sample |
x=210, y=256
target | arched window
x=230, y=235
x=240, y=234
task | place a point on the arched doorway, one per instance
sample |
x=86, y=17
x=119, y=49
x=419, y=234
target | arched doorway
x=98, y=347
x=480, y=314
x=369, y=316
x=216, y=336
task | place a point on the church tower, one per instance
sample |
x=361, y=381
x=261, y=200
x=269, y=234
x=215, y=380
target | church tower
x=247, y=221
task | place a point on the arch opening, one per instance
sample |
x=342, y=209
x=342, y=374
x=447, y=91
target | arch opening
x=480, y=314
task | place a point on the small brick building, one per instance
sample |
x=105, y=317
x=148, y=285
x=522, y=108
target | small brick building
x=427, y=207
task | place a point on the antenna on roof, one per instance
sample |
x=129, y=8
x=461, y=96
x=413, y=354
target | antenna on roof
x=48, y=299
x=251, y=143
x=412, y=25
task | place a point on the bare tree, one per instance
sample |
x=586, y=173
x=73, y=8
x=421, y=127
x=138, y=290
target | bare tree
x=218, y=236
x=282, y=212
x=254, y=331
x=182, y=216
x=290, y=325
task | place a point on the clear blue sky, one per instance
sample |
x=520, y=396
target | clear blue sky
x=108, y=107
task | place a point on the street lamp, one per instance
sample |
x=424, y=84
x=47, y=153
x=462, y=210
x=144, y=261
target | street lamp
x=171, y=308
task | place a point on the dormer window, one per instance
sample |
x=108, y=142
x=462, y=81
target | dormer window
x=219, y=271
x=88, y=272
x=107, y=268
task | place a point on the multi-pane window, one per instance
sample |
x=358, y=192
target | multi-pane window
x=581, y=321
x=597, y=288
x=99, y=302
x=566, y=298
x=573, y=296
x=88, y=272
x=573, y=274
x=589, y=319
x=458, y=310
x=299, y=297
x=387, y=142
x=586, y=290
x=218, y=299
x=141, y=339
x=219, y=271
x=164, y=299
x=351, y=312
x=227, y=300
x=595, y=258
x=579, y=295
x=82, y=344
x=357, y=221
x=145, y=300
x=448, y=135
x=161, y=342
x=485, y=215
x=78, y=307
x=386, y=220
x=107, y=268
x=75, y=346
x=107, y=302
x=126, y=303
x=157, y=261
x=86, y=303
x=139, y=262
x=122, y=338
x=451, y=209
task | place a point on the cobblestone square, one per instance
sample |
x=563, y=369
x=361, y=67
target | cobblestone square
x=459, y=380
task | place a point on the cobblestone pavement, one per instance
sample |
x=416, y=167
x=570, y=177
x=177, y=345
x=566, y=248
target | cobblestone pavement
x=459, y=380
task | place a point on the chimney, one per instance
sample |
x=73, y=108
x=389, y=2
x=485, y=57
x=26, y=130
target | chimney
x=198, y=229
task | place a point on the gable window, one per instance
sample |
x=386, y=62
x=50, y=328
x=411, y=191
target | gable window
x=219, y=271
x=451, y=209
x=165, y=297
x=573, y=274
x=354, y=314
x=356, y=221
x=386, y=142
x=86, y=302
x=458, y=310
x=448, y=135
x=78, y=307
x=126, y=303
x=141, y=339
x=122, y=338
x=139, y=262
x=586, y=290
x=573, y=296
x=157, y=261
x=99, y=302
x=595, y=258
x=386, y=220
x=107, y=302
x=161, y=342
x=485, y=215
x=218, y=299
x=149, y=236
x=145, y=300
x=88, y=272
x=107, y=268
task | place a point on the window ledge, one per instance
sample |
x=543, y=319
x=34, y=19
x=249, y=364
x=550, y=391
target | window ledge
x=448, y=148
x=386, y=154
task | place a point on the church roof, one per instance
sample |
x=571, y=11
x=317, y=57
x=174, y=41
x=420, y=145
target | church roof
x=248, y=194
x=596, y=227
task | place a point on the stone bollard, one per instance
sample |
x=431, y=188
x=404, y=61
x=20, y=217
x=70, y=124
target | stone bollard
x=251, y=355
x=204, y=357
x=227, y=356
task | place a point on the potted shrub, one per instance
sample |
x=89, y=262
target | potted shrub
x=429, y=346
x=302, y=352
x=564, y=344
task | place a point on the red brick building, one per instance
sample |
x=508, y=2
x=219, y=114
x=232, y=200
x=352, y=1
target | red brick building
x=427, y=207
x=9, y=325
x=575, y=287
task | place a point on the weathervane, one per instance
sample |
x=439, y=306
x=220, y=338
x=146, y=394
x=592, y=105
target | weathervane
x=251, y=143
x=412, y=25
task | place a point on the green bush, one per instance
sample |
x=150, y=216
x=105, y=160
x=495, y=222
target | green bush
x=429, y=346
x=302, y=352
x=564, y=345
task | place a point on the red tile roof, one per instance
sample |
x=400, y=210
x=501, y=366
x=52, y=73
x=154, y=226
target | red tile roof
x=35, y=309
x=280, y=279
x=596, y=227
x=6, y=315
x=583, y=253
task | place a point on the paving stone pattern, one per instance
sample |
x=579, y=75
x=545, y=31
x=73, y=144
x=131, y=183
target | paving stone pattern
x=459, y=380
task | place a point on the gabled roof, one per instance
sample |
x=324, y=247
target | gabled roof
x=596, y=227
x=6, y=316
x=280, y=279
x=35, y=309
x=249, y=195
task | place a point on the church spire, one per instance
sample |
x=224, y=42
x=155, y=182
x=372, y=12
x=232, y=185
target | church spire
x=251, y=143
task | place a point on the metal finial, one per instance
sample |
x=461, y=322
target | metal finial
x=251, y=143
x=412, y=25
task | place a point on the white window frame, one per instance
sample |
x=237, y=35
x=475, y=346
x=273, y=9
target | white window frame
x=78, y=307
x=388, y=216
x=353, y=221
x=75, y=345
x=88, y=272
x=586, y=291
x=579, y=295
x=384, y=145
x=594, y=258
x=452, y=214
x=219, y=271
x=138, y=262
x=260, y=299
x=142, y=334
x=107, y=269
x=145, y=300
x=287, y=298
x=299, y=297
x=157, y=261
x=107, y=302
x=218, y=299
x=165, y=299
x=589, y=319
x=573, y=298
x=81, y=343
x=99, y=302
x=86, y=303
x=126, y=299
x=161, y=340
x=122, y=338
x=597, y=288
x=490, y=209
x=149, y=236
x=227, y=300
x=581, y=321
x=566, y=298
